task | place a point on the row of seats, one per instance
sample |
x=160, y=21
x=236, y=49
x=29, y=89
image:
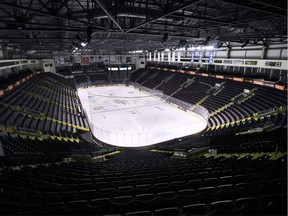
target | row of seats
x=230, y=143
x=31, y=149
x=84, y=79
x=13, y=77
x=247, y=72
x=221, y=186
x=148, y=204
x=16, y=145
x=46, y=103
x=199, y=90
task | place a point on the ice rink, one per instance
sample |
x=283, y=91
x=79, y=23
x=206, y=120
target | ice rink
x=125, y=116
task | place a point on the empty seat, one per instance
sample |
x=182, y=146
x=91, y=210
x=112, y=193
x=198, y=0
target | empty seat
x=144, y=188
x=189, y=196
x=167, y=211
x=69, y=196
x=145, y=201
x=106, y=192
x=166, y=199
x=246, y=206
x=138, y=213
x=125, y=190
x=76, y=207
x=161, y=187
x=122, y=204
x=88, y=194
x=223, y=207
x=53, y=208
x=99, y=205
x=271, y=204
x=210, y=194
x=51, y=197
x=196, y=209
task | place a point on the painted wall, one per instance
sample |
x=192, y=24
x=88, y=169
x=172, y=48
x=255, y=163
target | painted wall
x=8, y=67
x=49, y=65
x=1, y=54
x=35, y=65
x=109, y=59
x=273, y=56
x=140, y=63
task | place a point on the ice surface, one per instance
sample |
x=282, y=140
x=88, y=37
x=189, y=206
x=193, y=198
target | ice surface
x=125, y=116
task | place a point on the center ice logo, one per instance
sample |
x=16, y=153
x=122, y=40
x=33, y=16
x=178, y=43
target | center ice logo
x=118, y=101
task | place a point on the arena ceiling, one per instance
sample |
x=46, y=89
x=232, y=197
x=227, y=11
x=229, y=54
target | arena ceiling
x=118, y=26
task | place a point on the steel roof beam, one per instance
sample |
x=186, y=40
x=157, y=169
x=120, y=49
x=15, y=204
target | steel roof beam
x=198, y=18
x=163, y=15
x=108, y=14
x=39, y=24
x=51, y=15
x=247, y=6
x=44, y=29
x=239, y=22
x=274, y=5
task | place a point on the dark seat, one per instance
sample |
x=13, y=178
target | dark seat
x=122, y=204
x=270, y=204
x=196, y=209
x=167, y=199
x=106, y=192
x=167, y=211
x=86, y=186
x=69, y=196
x=53, y=208
x=144, y=188
x=210, y=194
x=77, y=207
x=246, y=206
x=161, y=187
x=227, y=191
x=189, y=196
x=145, y=201
x=51, y=197
x=88, y=194
x=99, y=205
x=179, y=185
x=124, y=191
x=243, y=189
x=70, y=187
x=138, y=213
x=223, y=207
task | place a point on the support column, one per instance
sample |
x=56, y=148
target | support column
x=264, y=52
x=228, y=50
x=1, y=53
x=158, y=56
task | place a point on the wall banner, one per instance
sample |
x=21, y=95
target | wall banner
x=200, y=56
x=272, y=64
x=227, y=61
x=61, y=60
x=238, y=62
x=85, y=60
x=192, y=57
x=211, y=57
